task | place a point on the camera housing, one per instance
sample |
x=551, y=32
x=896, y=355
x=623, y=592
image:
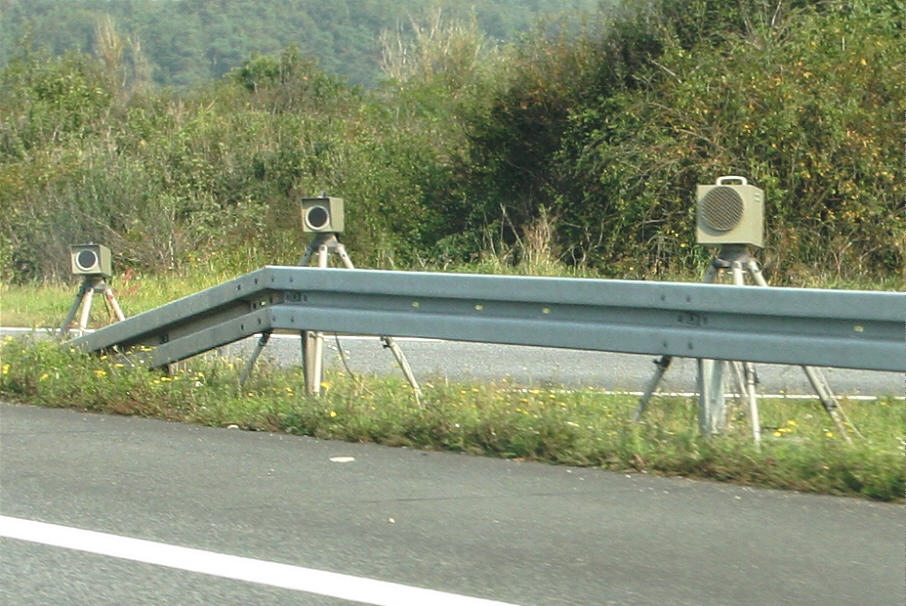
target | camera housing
x=90, y=260
x=322, y=215
x=729, y=214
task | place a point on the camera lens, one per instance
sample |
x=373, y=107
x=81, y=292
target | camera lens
x=86, y=259
x=317, y=217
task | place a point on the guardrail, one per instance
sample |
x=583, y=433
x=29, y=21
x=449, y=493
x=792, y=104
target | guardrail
x=846, y=329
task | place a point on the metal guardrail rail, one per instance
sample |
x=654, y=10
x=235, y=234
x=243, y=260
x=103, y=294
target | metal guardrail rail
x=845, y=329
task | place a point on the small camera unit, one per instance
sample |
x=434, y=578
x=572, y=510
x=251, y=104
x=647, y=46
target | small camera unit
x=322, y=215
x=90, y=260
x=729, y=214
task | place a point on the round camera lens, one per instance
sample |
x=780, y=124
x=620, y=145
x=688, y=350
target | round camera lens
x=317, y=217
x=86, y=259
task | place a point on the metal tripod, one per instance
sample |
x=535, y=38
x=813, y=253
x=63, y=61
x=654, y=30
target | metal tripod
x=313, y=341
x=712, y=410
x=90, y=285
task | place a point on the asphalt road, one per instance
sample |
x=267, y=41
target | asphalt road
x=520, y=533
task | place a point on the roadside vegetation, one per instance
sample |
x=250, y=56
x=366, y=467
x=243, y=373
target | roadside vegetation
x=589, y=427
x=575, y=148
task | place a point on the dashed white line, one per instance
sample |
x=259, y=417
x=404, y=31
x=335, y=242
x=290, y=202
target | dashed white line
x=285, y=576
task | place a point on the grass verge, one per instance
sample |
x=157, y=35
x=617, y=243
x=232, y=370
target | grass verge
x=584, y=427
x=46, y=303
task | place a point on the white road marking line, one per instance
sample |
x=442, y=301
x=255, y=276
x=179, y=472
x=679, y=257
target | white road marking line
x=286, y=576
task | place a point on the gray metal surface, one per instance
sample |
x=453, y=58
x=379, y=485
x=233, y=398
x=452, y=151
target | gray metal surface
x=846, y=329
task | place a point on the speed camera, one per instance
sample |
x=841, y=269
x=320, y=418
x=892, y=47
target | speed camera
x=90, y=260
x=729, y=212
x=322, y=215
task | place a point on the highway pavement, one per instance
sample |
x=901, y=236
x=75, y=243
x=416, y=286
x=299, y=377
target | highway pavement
x=279, y=511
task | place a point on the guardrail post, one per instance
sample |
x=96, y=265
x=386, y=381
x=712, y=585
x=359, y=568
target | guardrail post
x=711, y=400
x=312, y=356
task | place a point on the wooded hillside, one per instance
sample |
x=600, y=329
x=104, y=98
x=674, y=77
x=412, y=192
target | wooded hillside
x=186, y=42
x=578, y=145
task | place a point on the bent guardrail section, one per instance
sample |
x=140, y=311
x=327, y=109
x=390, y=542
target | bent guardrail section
x=846, y=329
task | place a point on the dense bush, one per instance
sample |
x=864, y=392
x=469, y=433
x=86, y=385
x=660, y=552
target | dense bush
x=611, y=140
x=581, y=144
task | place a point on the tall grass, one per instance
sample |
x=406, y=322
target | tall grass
x=45, y=304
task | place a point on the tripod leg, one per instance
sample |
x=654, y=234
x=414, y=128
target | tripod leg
x=711, y=399
x=64, y=328
x=313, y=340
x=317, y=356
x=753, y=268
x=86, y=309
x=662, y=364
x=711, y=274
x=389, y=343
x=815, y=376
x=819, y=384
x=739, y=280
x=312, y=384
x=739, y=374
x=259, y=347
x=310, y=250
x=111, y=299
x=344, y=256
x=742, y=392
x=753, y=403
